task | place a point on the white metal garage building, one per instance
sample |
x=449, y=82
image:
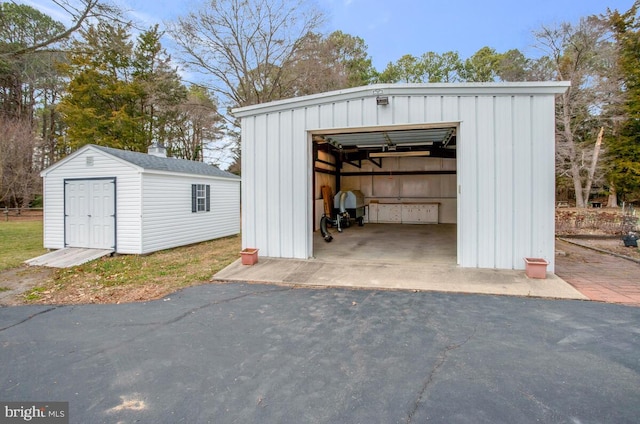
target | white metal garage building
x=481, y=154
x=135, y=203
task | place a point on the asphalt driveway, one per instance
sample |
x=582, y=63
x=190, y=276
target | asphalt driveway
x=245, y=353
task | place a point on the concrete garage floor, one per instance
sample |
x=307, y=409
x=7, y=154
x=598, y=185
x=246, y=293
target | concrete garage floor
x=395, y=256
x=390, y=243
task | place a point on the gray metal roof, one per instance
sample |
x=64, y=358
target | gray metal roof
x=156, y=163
x=391, y=90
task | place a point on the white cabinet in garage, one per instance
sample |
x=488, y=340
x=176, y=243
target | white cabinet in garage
x=420, y=213
x=403, y=213
x=389, y=213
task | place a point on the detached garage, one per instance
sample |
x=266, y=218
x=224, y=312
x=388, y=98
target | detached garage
x=478, y=158
x=136, y=203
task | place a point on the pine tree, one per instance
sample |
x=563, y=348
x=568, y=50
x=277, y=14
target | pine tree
x=624, y=149
x=101, y=105
x=161, y=88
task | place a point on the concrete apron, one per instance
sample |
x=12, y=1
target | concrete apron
x=405, y=257
x=423, y=277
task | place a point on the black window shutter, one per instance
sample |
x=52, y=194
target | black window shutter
x=208, y=199
x=194, y=206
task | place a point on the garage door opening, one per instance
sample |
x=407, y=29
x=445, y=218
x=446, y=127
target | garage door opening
x=406, y=180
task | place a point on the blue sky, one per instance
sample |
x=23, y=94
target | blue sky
x=397, y=27
x=392, y=28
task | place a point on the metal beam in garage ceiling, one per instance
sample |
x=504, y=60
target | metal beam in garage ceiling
x=434, y=142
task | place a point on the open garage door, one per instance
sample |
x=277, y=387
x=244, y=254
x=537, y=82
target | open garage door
x=407, y=175
x=90, y=213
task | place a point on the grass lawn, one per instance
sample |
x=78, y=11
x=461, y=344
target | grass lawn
x=121, y=278
x=19, y=241
x=128, y=278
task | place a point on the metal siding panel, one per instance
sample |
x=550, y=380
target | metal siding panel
x=274, y=165
x=450, y=106
x=286, y=224
x=311, y=121
x=522, y=180
x=504, y=182
x=341, y=114
x=385, y=114
x=416, y=109
x=486, y=181
x=326, y=115
x=467, y=179
x=370, y=112
x=261, y=185
x=355, y=112
x=248, y=147
x=301, y=175
x=401, y=109
x=433, y=108
x=543, y=173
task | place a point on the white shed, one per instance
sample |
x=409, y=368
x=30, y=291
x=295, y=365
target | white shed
x=482, y=154
x=136, y=203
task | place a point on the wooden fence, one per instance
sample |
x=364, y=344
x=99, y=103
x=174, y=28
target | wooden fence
x=21, y=214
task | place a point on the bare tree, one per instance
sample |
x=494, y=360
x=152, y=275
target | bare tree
x=198, y=128
x=578, y=53
x=246, y=46
x=78, y=12
x=19, y=178
x=326, y=63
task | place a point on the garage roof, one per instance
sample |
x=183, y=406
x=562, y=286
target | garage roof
x=443, y=89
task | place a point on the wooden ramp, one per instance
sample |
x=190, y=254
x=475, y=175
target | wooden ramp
x=68, y=257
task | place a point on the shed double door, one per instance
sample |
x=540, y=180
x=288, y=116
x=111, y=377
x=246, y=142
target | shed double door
x=90, y=213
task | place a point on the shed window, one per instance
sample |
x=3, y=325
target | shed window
x=200, y=198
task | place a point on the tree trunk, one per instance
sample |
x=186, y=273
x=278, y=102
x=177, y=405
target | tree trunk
x=575, y=169
x=577, y=186
x=613, y=196
x=594, y=162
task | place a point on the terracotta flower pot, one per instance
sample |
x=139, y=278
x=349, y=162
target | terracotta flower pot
x=249, y=256
x=535, y=267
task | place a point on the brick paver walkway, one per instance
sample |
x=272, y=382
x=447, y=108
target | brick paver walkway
x=599, y=276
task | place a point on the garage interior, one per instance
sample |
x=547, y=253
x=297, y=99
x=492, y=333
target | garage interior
x=406, y=180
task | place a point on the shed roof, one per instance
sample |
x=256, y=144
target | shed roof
x=155, y=163
x=441, y=89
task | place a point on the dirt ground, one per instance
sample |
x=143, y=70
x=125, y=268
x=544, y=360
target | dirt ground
x=613, y=245
x=16, y=281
